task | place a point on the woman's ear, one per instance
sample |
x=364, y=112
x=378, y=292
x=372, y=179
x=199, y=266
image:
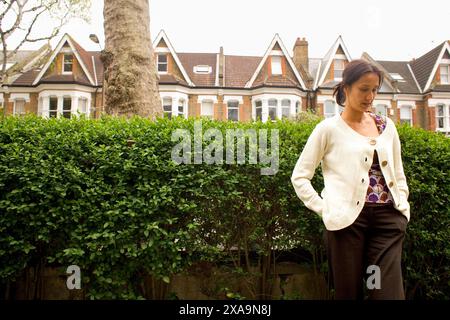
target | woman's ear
x=345, y=89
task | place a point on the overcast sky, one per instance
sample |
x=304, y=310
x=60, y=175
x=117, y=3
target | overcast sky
x=386, y=29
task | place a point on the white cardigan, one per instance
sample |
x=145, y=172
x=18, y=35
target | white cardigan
x=346, y=157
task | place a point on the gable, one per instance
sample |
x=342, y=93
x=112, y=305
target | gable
x=174, y=73
x=265, y=74
x=55, y=68
x=326, y=72
x=423, y=66
x=84, y=75
x=267, y=78
x=175, y=67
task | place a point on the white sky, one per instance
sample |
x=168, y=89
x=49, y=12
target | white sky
x=386, y=29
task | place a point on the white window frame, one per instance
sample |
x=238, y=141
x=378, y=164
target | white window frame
x=202, y=69
x=202, y=106
x=260, y=106
x=15, y=107
x=236, y=102
x=167, y=102
x=445, y=117
x=445, y=67
x=67, y=98
x=386, y=107
x=81, y=101
x=181, y=104
x=276, y=69
x=269, y=107
x=50, y=110
x=341, y=68
x=158, y=63
x=410, y=111
x=64, y=63
x=397, y=76
x=285, y=104
x=58, y=96
x=328, y=114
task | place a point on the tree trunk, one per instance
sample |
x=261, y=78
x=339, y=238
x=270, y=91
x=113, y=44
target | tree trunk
x=131, y=80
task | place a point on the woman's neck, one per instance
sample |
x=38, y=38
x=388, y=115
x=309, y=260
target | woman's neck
x=353, y=116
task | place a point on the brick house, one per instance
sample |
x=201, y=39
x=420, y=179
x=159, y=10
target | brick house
x=68, y=81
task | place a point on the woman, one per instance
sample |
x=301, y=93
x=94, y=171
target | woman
x=364, y=203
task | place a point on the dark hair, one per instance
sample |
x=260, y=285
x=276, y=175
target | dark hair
x=353, y=72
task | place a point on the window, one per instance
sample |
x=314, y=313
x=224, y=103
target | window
x=208, y=109
x=162, y=62
x=276, y=65
x=53, y=107
x=338, y=68
x=445, y=74
x=203, y=69
x=258, y=107
x=406, y=114
x=440, y=116
x=82, y=106
x=67, y=107
x=330, y=109
x=285, y=108
x=19, y=107
x=68, y=63
x=181, y=108
x=397, y=76
x=297, y=107
x=381, y=109
x=233, y=110
x=273, y=103
x=167, y=107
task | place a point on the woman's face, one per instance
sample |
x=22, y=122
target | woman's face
x=360, y=95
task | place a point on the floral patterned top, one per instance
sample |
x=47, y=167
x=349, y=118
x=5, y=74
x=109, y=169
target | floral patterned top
x=378, y=191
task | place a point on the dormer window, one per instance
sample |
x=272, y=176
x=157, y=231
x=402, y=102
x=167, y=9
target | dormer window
x=397, y=77
x=68, y=63
x=162, y=63
x=445, y=74
x=276, y=65
x=202, y=69
x=338, y=69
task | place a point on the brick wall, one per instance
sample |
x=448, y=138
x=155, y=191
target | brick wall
x=194, y=107
x=245, y=109
x=420, y=120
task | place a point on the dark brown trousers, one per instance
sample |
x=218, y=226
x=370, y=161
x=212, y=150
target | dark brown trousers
x=374, y=239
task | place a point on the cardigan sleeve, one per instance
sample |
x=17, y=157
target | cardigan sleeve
x=305, y=167
x=398, y=168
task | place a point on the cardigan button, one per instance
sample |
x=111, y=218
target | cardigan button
x=384, y=163
x=357, y=203
x=373, y=142
x=362, y=180
x=391, y=184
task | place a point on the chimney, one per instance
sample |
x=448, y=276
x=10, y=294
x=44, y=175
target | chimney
x=301, y=54
x=221, y=66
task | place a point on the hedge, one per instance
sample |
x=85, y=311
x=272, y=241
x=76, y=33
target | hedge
x=105, y=195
